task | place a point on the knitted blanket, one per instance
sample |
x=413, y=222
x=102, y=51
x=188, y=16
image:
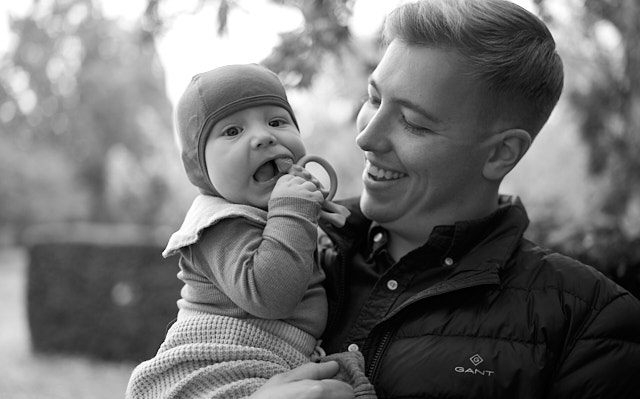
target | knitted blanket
x=209, y=356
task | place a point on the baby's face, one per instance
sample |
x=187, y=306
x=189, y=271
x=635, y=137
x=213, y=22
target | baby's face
x=241, y=150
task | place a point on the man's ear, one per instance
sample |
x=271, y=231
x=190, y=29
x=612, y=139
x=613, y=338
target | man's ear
x=506, y=153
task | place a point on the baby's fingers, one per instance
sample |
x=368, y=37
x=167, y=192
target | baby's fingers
x=298, y=170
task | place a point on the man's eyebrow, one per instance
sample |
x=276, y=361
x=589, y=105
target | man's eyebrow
x=408, y=104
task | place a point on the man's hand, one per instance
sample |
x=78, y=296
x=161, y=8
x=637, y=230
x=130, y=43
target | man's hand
x=309, y=381
x=333, y=213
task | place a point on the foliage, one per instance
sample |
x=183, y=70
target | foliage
x=300, y=55
x=114, y=299
x=610, y=107
x=604, y=93
x=29, y=195
x=80, y=93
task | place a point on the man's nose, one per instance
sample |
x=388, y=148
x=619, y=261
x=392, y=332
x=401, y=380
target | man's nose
x=372, y=125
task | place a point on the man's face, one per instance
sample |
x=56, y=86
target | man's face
x=241, y=150
x=421, y=140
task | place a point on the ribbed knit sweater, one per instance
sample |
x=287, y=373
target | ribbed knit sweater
x=209, y=356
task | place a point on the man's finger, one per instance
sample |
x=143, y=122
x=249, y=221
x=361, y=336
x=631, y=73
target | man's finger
x=310, y=371
x=309, y=381
x=335, y=219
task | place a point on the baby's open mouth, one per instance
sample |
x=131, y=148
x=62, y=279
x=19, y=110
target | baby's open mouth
x=272, y=168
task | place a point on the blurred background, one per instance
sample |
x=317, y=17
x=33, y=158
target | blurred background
x=91, y=185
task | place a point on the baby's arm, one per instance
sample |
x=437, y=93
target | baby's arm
x=267, y=271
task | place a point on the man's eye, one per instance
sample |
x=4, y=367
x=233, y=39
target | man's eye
x=232, y=131
x=413, y=128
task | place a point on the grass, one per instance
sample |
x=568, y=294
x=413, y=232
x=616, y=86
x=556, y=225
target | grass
x=28, y=375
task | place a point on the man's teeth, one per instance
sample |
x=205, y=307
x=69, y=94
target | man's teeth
x=381, y=174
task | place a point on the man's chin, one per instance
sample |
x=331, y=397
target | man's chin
x=377, y=210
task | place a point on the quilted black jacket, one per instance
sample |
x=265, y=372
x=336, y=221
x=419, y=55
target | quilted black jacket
x=512, y=320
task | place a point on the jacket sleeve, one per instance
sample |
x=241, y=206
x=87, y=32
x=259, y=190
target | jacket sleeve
x=603, y=361
x=265, y=272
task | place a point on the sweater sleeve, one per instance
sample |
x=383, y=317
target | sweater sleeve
x=604, y=359
x=265, y=272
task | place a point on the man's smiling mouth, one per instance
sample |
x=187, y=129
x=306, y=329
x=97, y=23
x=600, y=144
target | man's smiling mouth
x=379, y=174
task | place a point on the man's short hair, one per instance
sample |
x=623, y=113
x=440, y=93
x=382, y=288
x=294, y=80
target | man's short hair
x=507, y=48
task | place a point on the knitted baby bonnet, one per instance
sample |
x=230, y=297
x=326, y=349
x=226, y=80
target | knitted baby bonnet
x=214, y=95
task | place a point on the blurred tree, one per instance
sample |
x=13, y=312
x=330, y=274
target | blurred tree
x=298, y=57
x=606, y=99
x=301, y=53
x=81, y=86
x=610, y=108
x=608, y=104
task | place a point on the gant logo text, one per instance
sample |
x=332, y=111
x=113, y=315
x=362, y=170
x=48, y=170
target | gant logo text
x=475, y=361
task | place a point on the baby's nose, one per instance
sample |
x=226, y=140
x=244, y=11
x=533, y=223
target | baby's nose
x=263, y=139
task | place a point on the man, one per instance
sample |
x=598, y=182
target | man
x=431, y=278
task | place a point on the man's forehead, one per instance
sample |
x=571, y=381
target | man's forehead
x=415, y=73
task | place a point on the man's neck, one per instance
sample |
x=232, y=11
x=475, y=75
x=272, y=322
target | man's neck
x=399, y=246
x=413, y=234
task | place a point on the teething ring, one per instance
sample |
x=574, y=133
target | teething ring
x=333, y=177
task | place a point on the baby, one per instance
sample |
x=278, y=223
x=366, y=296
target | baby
x=253, y=304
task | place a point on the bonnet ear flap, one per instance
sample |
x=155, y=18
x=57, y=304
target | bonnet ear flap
x=506, y=153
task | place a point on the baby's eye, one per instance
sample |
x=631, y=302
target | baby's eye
x=231, y=131
x=277, y=122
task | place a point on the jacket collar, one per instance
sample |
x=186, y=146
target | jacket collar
x=487, y=241
x=492, y=238
x=486, y=256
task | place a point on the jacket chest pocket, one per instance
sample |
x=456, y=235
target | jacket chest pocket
x=460, y=367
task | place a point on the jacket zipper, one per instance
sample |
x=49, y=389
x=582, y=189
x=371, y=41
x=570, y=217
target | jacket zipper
x=375, y=360
x=381, y=347
x=341, y=264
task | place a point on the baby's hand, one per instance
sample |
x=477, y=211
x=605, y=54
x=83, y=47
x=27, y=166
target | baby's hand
x=298, y=182
x=298, y=170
